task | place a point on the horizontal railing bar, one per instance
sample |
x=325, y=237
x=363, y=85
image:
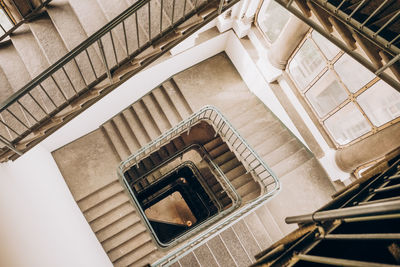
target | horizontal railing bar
x=73, y=53
x=340, y=262
x=385, y=236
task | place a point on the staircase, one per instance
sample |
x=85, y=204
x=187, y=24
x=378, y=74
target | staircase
x=75, y=52
x=367, y=30
x=114, y=219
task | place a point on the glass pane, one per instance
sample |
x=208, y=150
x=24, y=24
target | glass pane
x=352, y=73
x=4, y=21
x=306, y=64
x=326, y=94
x=329, y=49
x=347, y=124
x=381, y=103
x=272, y=19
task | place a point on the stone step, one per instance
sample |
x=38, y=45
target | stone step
x=247, y=239
x=224, y=158
x=177, y=98
x=205, y=256
x=274, y=157
x=117, y=140
x=258, y=231
x=147, y=121
x=219, y=150
x=133, y=257
x=189, y=260
x=35, y=62
x=92, y=18
x=106, y=207
x=123, y=237
x=291, y=162
x=126, y=132
x=167, y=105
x=136, y=126
x=60, y=12
x=157, y=112
x=269, y=223
x=100, y=195
x=233, y=244
x=221, y=253
x=53, y=47
x=129, y=246
x=274, y=142
x=116, y=226
x=249, y=190
x=213, y=143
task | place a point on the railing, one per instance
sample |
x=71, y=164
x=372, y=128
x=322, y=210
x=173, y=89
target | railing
x=375, y=39
x=219, y=175
x=249, y=158
x=77, y=73
x=14, y=22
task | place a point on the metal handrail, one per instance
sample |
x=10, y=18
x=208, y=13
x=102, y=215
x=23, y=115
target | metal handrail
x=249, y=158
x=55, y=83
x=23, y=20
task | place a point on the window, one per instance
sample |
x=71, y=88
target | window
x=271, y=19
x=349, y=100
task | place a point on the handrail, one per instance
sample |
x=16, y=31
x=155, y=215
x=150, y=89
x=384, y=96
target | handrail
x=23, y=20
x=55, y=89
x=249, y=158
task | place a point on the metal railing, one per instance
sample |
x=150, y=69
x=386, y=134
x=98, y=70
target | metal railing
x=77, y=73
x=379, y=38
x=13, y=21
x=219, y=175
x=254, y=165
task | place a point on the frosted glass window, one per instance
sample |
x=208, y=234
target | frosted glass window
x=5, y=21
x=306, y=64
x=352, y=73
x=326, y=94
x=381, y=103
x=347, y=124
x=272, y=18
x=327, y=47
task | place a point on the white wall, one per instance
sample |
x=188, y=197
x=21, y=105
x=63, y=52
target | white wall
x=41, y=225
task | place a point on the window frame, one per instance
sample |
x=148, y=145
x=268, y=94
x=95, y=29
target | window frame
x=259, y=10
x=352, y=97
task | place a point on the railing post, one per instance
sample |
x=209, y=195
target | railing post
x=9, y=145
x=103, y=56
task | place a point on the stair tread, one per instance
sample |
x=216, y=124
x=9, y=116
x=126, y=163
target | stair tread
x=107, y=206
x=116, y=140
x=124, y=236
x=119, y=223
x=235, y=247
x=220, y=252
x=176, y=97
x=247, y=239
x=100, y=195
x=205, y=256
x=281, y=152
x=257, y=229
x=129, y=246
x=136, y=126
x=168, y=107
x=189, y=260
x=147, y=121
x=291, y=162
x=269, y=223
x=157, y=112
x=135, y=255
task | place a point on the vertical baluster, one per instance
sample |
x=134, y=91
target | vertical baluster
x=137, y=30
x=27, y=111
x=91, y=64
x=114, y=50
x=69, y=80
x=58, y=87
x=125, y=38
x=100, y=44
x=37, y=103
x=161, y=16
x=173, y=11
x=51, y=100
x=18, y=119
x=149, y=21
x=80, y=72
x=10, y=128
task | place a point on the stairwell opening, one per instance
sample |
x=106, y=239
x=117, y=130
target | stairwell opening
x=178, y=187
